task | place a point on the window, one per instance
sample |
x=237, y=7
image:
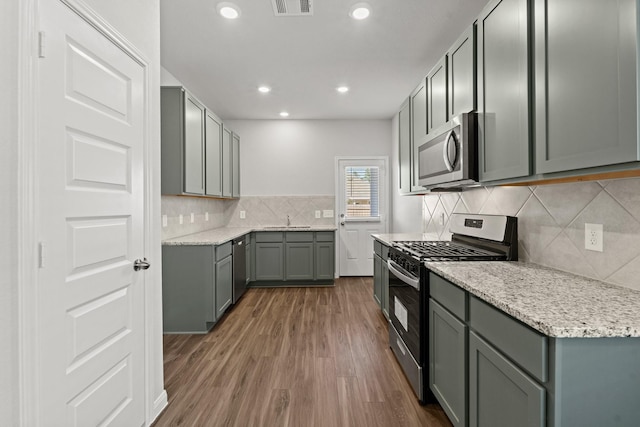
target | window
x=362, y=192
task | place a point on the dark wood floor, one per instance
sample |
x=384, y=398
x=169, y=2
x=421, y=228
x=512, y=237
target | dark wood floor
x=293, y=357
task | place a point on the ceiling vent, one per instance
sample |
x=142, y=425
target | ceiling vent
x=292, y=7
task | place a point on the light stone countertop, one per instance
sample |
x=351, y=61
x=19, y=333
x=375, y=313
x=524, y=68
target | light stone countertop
x=388, y=239
x=556, y=303
x=218, y=236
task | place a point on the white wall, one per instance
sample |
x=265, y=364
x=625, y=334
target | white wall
x=297, y=157
x=139, y=22
x=8, y=216
x=406, y=211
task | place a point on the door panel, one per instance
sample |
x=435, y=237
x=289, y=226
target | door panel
x=90, y=221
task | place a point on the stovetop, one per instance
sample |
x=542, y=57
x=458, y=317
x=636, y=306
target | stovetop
x=446, y=251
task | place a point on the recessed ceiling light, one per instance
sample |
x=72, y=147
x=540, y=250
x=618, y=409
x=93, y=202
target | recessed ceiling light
x=342, y=89
x=284, y=114
x=360, y=11
x=264, y=89
x=228, y=10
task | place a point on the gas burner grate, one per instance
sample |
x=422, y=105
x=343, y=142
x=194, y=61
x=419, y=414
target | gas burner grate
x=443, y=250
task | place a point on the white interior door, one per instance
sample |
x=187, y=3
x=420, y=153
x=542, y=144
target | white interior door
x=90, y=208
x=362, y=211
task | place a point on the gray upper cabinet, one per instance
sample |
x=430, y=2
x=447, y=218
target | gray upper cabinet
x=213, y=155
x=235, y=165
x=227, y=170
x=503, y=90
x=404, y=142
x=437, y=112
x=418, y=112
x=182, y=142
x=461, y=67
x=586, y=87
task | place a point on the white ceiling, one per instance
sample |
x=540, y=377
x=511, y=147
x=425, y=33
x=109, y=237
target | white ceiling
x=305, y=58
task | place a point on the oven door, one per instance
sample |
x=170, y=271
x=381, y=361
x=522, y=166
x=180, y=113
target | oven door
x=404, y=307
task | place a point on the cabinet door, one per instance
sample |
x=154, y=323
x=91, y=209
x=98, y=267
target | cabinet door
x=418, y=110
x=385, y=289
x=586, y=85
x=235, y=166
x=224, y=285
x=269, y=262
x=500, y=394
x=325, y=258
x=299, y=261
x=503, y=91
x=213, y=155
x=462, y=74
x=404, y=142
x=447, y=362
x=193, y=145
x=377, y=280
x=437, y=113
x=227, y=167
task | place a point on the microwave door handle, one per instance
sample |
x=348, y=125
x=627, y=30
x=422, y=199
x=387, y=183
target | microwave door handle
x=445, y=150
x=411, y=281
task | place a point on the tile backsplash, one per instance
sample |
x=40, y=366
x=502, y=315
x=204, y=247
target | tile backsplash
x=258, y=211
x=551, y=222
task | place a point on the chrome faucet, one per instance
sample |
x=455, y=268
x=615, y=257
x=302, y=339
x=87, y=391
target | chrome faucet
x=288, y=221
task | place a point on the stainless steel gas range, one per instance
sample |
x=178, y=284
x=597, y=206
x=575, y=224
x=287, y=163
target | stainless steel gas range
x=475, y=238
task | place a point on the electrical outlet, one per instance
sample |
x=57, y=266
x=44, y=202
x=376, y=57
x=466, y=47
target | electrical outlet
x=206, y=216
x=327, y=213
x=593, y=237
x=164, y=220
x=193, y=218
x=180, y=219
x=317, y=214
x=243, y=214
x=441, y=219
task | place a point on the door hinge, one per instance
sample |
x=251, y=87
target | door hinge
x=42, y=256
x=41, y=44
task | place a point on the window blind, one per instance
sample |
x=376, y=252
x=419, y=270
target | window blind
x=362, y=192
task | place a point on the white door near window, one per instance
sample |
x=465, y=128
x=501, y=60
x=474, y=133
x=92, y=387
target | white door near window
x=361, y=211
x=91, y=199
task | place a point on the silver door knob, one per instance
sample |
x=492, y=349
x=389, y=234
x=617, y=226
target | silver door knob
x=141, y=264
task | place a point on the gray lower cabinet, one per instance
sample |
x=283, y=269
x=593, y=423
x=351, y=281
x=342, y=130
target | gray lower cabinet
x=501, y=394
x=448, y=362
x=381, y=276
x=224, y=285
x=503, y=90
x=293, y=258
x=586, y=83
x=520, y=377
x=196, y=286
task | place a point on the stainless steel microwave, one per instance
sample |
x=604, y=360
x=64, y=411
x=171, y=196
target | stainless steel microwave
x=449, y=157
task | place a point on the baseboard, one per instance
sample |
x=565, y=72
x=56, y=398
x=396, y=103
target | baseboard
x=159, y=405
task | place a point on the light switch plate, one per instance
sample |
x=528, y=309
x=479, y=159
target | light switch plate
x=206, y=216
x=327, y=213
x=317, y=214
x=243, y=214
x=180, y=219
x=193, y=218
x=164, y=220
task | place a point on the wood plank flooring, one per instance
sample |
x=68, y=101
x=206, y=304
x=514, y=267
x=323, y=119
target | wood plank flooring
x=293, y=357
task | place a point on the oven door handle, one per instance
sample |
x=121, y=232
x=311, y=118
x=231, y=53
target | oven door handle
x=409, y=280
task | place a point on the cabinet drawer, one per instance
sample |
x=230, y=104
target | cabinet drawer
x=325, y=236
x=223, y=251
x=299, y=236
x=269, y=236
x=449, y=295
x=519, y=342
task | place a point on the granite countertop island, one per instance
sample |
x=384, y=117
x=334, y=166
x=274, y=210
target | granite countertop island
x=218, y=236
x=553, y=302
